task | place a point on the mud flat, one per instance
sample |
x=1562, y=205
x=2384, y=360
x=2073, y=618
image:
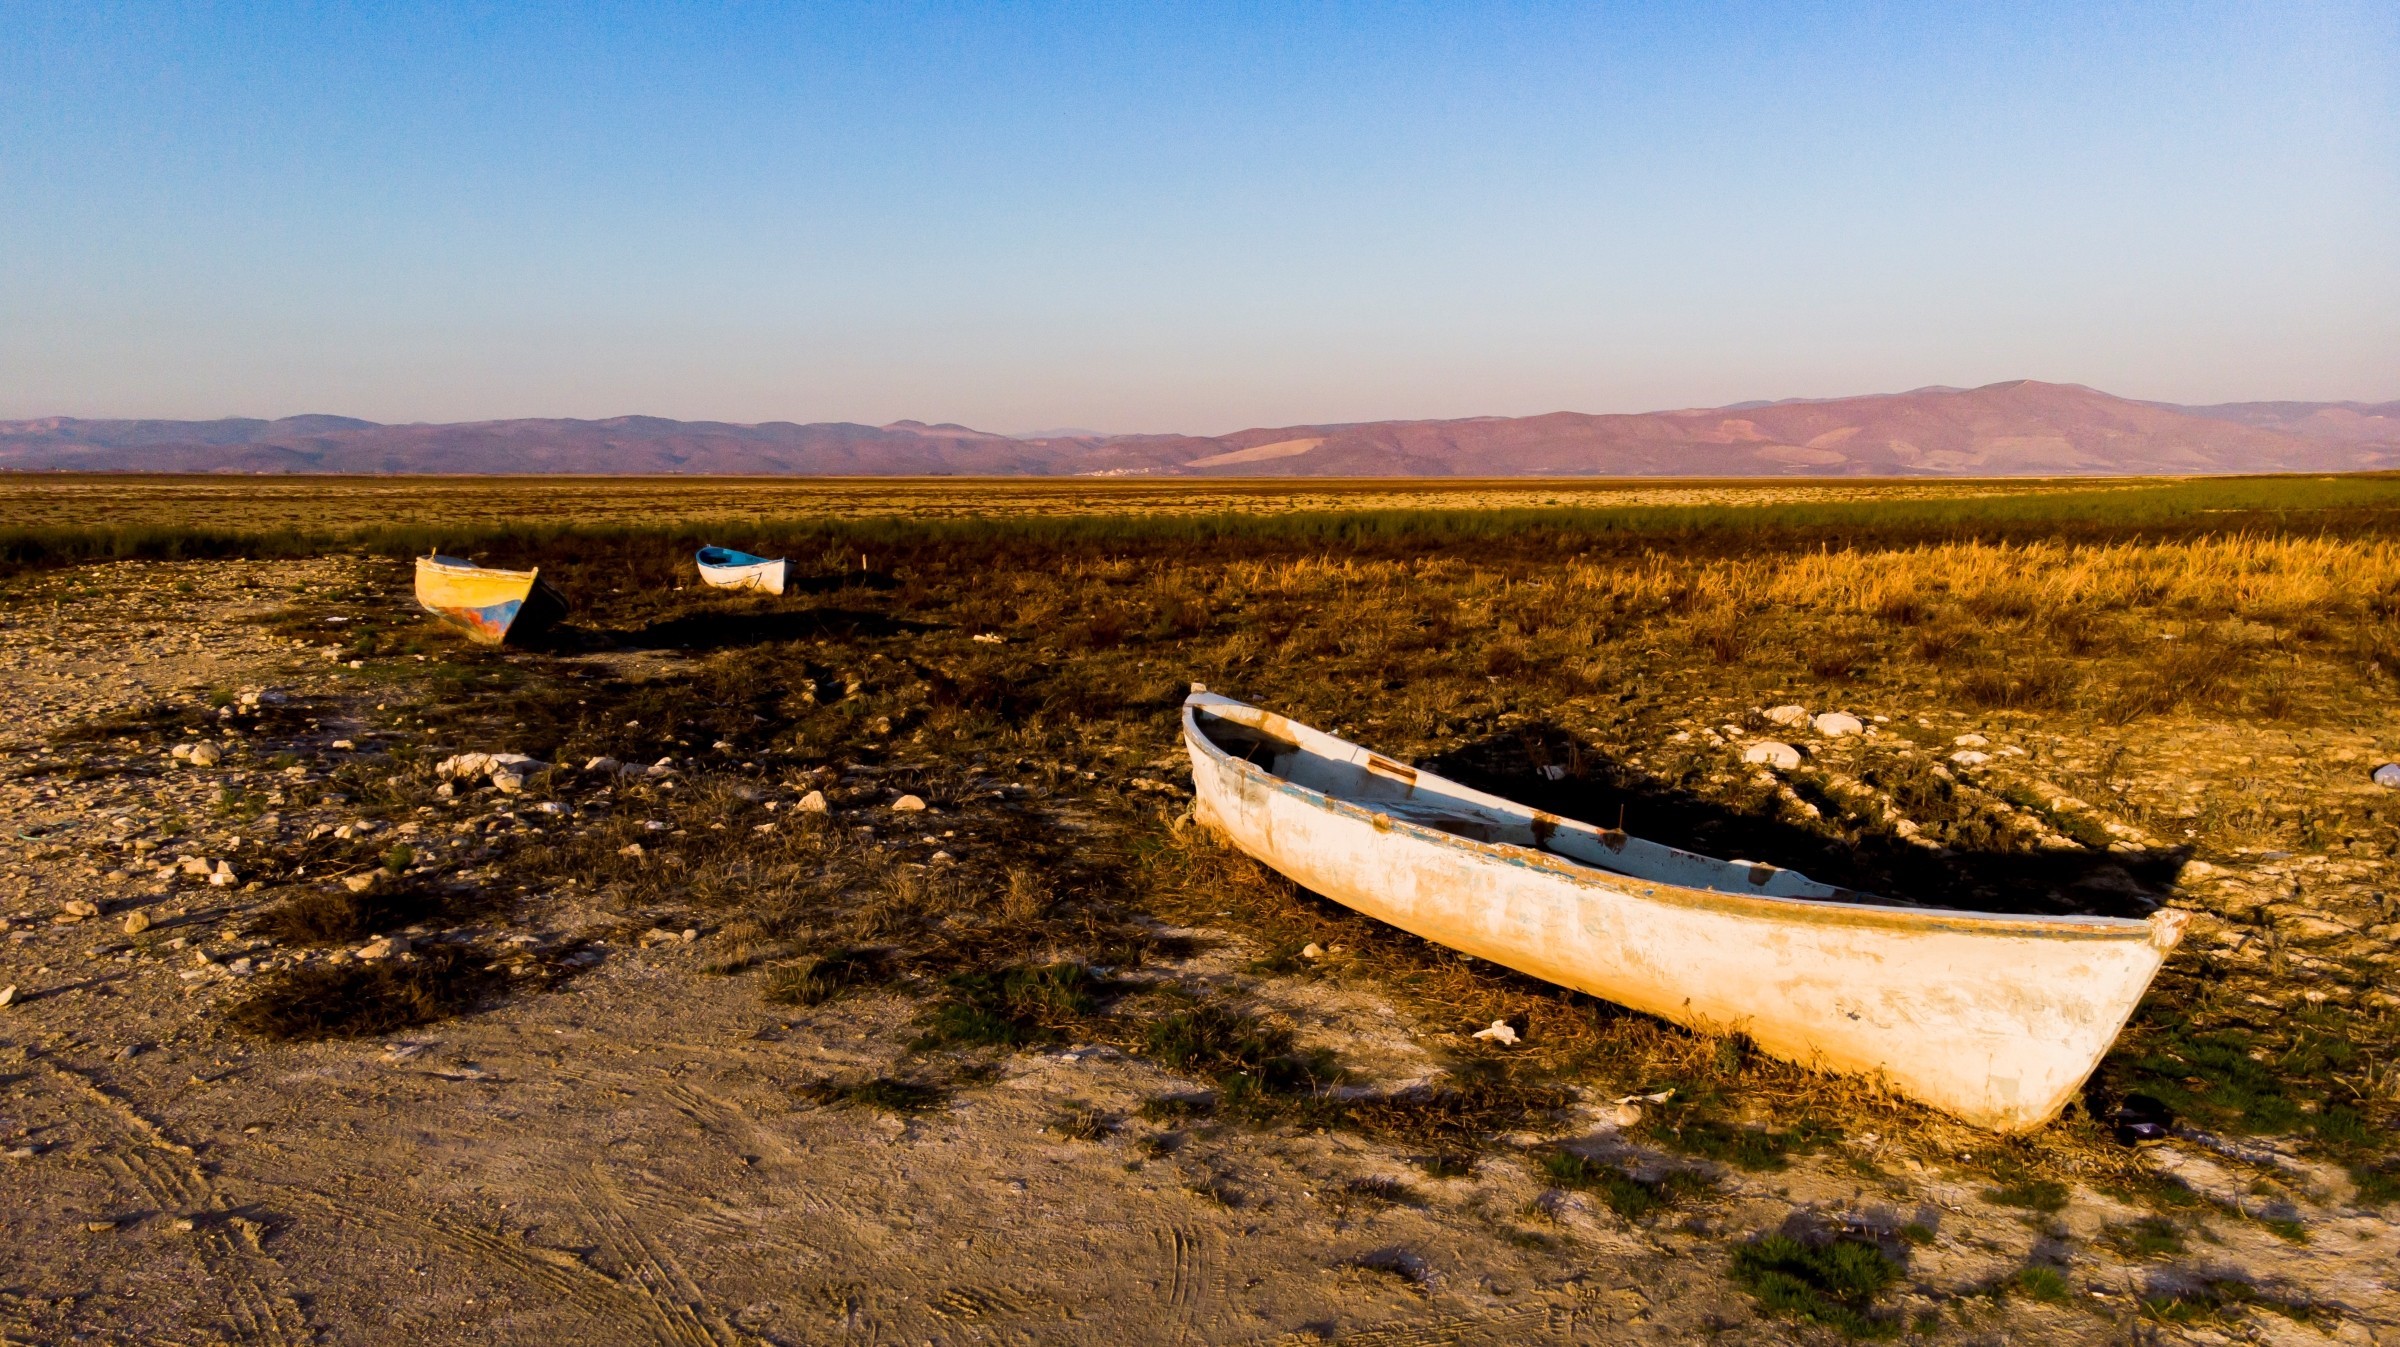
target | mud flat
x=726, y=1039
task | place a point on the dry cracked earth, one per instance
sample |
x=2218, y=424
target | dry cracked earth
x=615, y=1153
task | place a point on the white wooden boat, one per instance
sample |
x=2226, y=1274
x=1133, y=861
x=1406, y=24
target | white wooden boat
x=1995, y=1018
x=728, y=569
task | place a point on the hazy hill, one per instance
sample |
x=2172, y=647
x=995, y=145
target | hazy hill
x=2008, y=429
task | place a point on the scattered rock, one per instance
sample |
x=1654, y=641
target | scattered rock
x=344, y=745
x=2388, y=775
x=1500, y=1032
x=468, y=766
x=1312, y=950
x=80, y=909
x=508, y=783
x=1971, y=741
x=988, y=638
x=814, y=803
x=8, y=995
x=385, y=947
x=1835, y=724
x=1968, y=757
x=360, y=883
x=223, y=877
x=604, y=766
x=1793, y=715
x=908, y=804
x=136, y=922
x=1771, y=753
x=206, y=755
x=633, y=849
x=1624, y=1115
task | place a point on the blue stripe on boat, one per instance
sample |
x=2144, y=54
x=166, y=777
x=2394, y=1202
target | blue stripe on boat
x=726, y=556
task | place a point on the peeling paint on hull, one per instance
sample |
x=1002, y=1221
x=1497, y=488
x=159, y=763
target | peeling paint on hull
x=489, y=605
x=1995, y=1018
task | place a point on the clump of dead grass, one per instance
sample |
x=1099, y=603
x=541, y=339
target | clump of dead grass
x=361, y=1000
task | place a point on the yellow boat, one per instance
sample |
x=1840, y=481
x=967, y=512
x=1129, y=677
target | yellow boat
x=491, y=606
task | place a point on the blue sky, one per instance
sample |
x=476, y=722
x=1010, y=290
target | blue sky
x=1192, y=218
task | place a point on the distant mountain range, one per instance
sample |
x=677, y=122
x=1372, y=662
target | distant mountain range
x=2023, y=428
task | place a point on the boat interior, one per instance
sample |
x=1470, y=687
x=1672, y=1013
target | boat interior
x=1345, y=771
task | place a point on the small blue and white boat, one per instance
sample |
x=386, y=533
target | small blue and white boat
x=728, y=569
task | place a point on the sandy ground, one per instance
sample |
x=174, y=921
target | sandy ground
x=622, y=1159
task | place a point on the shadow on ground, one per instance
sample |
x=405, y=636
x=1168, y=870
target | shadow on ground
x=737, y=630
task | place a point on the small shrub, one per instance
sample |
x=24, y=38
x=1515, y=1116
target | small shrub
x=1625, y=1195
x=360, y=1000
x=336, y=917
x=1752, y=1148
x=1377, y=1188
x=2044, y=1195
x=2030, y=685
x=1833, y=1284
x=826, y=976
x=1084, y=1122
x=891, y=1094
x=2044, y=1284
x=2377, y=1184
x=1011, y=1008
x=2149, y=1237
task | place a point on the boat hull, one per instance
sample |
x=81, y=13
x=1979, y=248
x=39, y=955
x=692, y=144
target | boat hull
x=1996, y=1019
x=764, y=576
x=490, y=606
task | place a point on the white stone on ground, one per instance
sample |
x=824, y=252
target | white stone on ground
x=1771, y=753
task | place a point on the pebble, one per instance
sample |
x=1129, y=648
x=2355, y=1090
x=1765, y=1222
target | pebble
x=508, y=783
x=8, y=994
x=1792, y=714
x=906, y=804
x=384, y=947
x=1312, y=950
x=1971, y=741
x=604, y=766
x=360, y=883
x=1968, y=757
x=80, y=908
x=206, y=755
x=1835, y=724
x=1500, y=1032
x=2388, y=775
x=1770, y=753
x=136, y=922
x=814, y=803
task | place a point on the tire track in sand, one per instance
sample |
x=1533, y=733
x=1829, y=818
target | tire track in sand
x=668, y=1298
x=257, y=1295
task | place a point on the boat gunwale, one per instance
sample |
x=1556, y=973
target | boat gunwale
x=434, y=562
x=699, y=559
x=2152, y=930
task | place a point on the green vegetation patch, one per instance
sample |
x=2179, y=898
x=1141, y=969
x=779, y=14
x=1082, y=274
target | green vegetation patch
x=1834, y=1283
x=1625, y=1195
